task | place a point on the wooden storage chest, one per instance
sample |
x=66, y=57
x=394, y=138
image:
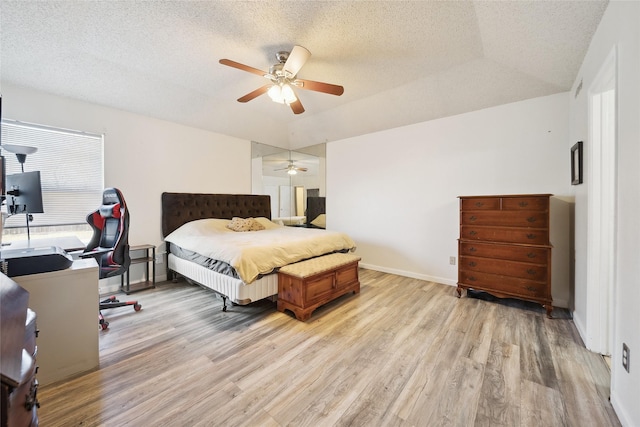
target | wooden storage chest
x=305, y=286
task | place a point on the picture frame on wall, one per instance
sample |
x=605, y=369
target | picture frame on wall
x=576, y=163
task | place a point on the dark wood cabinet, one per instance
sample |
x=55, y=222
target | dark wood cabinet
x=18, y=386
x=504, y=247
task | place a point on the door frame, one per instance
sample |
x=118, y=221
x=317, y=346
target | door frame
x=601, y=206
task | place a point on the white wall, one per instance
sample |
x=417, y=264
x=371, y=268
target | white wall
x=395, y=192
x=143, y=156
x=619, y=29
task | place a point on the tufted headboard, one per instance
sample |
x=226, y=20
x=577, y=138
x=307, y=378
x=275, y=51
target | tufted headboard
x=180, y=208
x=315, y=207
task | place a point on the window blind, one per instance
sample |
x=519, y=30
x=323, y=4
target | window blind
x=71, y=171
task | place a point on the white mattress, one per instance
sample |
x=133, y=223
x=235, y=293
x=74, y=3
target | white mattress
x=235, y=289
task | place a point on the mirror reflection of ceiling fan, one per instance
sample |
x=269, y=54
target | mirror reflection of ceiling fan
x=283, y=79
x=292, y=169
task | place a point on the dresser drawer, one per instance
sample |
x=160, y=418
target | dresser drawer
x=525, y=203
x=532, y=254
x=521, y=270
x=534, y=236
x=521, y=218
x=484, y=203
x=510, y=286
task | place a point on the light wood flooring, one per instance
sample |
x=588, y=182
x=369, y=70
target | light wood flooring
x=403, y=352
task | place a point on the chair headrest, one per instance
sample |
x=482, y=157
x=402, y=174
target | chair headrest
x=112, y=203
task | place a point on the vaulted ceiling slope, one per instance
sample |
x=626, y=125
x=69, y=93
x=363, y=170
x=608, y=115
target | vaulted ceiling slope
x=400, y=62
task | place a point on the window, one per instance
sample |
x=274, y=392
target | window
x=71, y=172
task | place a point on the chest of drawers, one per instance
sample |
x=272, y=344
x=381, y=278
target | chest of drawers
x=504, y=247
x=18, y=351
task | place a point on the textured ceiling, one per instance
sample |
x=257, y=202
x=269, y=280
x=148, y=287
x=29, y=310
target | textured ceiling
x=400, y=62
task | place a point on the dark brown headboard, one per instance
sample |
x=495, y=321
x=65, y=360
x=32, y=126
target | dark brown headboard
x=315, y=207
x=180, y=208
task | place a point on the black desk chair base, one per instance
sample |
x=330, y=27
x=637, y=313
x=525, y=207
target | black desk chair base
x=113, y=302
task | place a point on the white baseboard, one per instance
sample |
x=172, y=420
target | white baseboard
x=623, y=417
x=411, y=274
x=112, y=285
x=582, y=331
x=442, y=280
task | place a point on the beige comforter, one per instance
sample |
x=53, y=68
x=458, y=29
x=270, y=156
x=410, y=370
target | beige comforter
x=253, y=253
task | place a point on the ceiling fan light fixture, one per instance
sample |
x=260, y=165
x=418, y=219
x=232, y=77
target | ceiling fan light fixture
x=275, y=93
x=292, y=171
x=282, y=93
x=287, y=94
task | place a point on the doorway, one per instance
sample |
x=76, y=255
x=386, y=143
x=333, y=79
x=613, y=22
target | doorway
x=601, y=207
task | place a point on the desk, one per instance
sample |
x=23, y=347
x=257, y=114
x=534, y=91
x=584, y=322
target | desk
x=66, y=302
x=67, y=243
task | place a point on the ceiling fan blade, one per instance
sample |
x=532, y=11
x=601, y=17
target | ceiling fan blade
x=243, y=67
x=319, y=87
x=296, y=60
x=296, y=107
x=301, y=169
x=256, y=93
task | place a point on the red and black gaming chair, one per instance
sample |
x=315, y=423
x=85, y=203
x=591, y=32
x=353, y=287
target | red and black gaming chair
x=109, y=244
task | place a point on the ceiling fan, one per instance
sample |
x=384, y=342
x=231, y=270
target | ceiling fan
x=292, y=169
x=283, y=79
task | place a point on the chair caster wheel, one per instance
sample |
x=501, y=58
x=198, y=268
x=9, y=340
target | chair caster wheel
x=137, y=307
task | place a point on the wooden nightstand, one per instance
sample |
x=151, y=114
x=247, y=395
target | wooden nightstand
x=148, y=258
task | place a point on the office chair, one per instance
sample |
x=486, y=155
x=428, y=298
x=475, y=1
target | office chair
x=109, y=245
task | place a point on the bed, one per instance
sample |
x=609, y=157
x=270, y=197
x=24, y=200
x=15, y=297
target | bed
x=192, y=216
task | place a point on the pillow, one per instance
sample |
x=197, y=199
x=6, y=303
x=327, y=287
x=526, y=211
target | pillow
x=255, y=225
x=201, y=227
x=244, y=224
x=320, y=221
x=267, y=223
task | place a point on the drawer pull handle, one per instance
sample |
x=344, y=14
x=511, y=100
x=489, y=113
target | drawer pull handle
x=532, y=219
x=531, y=255
x=473, y=233
x=473, y=264
x=532, y=272
x=31, y=399
x=523, y=204
x=531, y=289
x=472, y=249
x=531, y=236
x=472, y=279
x=473, y=218
x=479, y=204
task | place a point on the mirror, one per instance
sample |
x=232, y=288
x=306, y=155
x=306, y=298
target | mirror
x=295, y=180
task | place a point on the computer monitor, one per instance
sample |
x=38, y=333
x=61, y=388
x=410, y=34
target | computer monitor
x=24, y=193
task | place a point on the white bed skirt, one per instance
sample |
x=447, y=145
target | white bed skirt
x=235, y=289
